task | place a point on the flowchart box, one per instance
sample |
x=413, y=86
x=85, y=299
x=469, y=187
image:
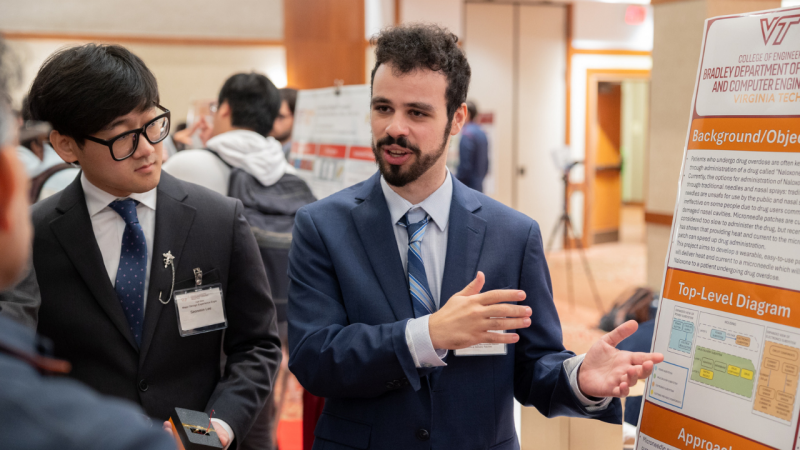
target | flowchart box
x=668, y=384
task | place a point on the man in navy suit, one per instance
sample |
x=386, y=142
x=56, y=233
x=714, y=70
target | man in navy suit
x=401, y=287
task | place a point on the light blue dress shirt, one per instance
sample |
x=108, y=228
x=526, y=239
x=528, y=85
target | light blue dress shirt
x=434, y=250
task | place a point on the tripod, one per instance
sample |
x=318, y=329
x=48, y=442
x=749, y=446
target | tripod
x=565, y=222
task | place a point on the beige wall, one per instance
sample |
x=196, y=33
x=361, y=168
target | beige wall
x=635, y=107
x=678, y=33
x=184, y=72
x=600, y=25
x=489, y=48
x=541, y=110
x=262, y=19
x=448, y=13
x=535, y=111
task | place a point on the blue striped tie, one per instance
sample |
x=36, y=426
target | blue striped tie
x=132, y=269
x=417, y=280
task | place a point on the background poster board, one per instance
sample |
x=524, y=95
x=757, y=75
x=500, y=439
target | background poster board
x=331, y=138
x=729, y=320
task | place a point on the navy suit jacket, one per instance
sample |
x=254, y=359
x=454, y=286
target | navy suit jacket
x=348, y=308
x=43, y=412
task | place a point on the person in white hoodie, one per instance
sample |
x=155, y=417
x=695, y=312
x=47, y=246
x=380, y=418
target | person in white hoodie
x=241, y=160
x=247, y=107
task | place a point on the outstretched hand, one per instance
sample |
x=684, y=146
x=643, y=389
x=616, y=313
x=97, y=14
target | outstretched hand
x=608, y=372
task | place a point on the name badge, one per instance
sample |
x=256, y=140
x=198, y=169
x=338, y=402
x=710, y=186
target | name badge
x=484, y=349
x=200, y=310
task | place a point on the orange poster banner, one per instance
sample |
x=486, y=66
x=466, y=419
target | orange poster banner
x=761, y=302
x=745, y=134
x=684, y=432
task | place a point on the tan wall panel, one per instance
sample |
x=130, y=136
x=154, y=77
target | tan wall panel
x=489, y=47
x=723, y=7
x=542, y=109
x=541, y=433
x=200, y=18
x=657, y=240
x=567, y=433
x=184, y=73
x=676, y=52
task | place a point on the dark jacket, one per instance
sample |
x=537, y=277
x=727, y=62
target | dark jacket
x=80, y=311
x=56, y=413
x=473, y=151
x=270, y=211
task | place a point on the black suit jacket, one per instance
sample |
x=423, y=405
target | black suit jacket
x=80, y=311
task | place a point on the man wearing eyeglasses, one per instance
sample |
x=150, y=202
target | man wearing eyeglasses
x=121, y=251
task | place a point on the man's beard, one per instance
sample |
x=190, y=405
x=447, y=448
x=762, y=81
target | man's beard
x=393, y=174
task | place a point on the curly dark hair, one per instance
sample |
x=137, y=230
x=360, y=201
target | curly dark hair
x=425, y=46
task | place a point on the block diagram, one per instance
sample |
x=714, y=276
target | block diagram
x=724, y=371
x=724, y=354
x=777, y=381
x=682, y=334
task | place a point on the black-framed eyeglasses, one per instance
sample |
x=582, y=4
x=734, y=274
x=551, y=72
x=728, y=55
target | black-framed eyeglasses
x=124, y=145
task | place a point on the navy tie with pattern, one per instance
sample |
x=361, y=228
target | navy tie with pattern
x=132, y=267
x=417, y=280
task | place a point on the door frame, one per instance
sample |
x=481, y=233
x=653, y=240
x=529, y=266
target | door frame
x=593, y=77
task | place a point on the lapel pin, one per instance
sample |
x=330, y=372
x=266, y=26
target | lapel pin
x=168, y=261
x=168, y=258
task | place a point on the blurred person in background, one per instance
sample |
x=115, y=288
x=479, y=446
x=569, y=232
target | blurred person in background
x=48, y=172
x=35, y=152
x=124, y=238
x=40, y=411
x=178, y=139
x=282, y=128
x=243, y=161
x=473, y=152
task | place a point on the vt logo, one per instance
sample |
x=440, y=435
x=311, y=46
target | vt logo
x=781, y=24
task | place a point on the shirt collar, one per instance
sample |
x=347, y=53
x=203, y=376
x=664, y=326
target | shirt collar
x=437, y=205
x=98, y=199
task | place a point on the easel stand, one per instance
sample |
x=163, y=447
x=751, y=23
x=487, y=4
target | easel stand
x=564, y=225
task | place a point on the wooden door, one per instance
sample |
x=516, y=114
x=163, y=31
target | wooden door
x=607, y=193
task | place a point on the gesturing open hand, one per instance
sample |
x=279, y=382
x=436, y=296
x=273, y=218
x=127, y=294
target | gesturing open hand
x=608, y=372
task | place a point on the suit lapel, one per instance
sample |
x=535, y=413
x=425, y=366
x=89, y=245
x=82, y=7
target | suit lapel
x=464, y=242
x=374, y=225
x=73, y=229
x=464, y=245
x=173, y=221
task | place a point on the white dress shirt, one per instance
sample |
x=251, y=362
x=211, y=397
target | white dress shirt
x=434, y=251
x=109, y=226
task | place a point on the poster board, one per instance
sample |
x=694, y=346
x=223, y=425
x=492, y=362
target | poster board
x=729, y=319
x=332, y=138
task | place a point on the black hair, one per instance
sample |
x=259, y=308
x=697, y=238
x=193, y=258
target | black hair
x=472, y=109
x=254, y=101
x=289, y=95
x=80, y=90
x=425, y=46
